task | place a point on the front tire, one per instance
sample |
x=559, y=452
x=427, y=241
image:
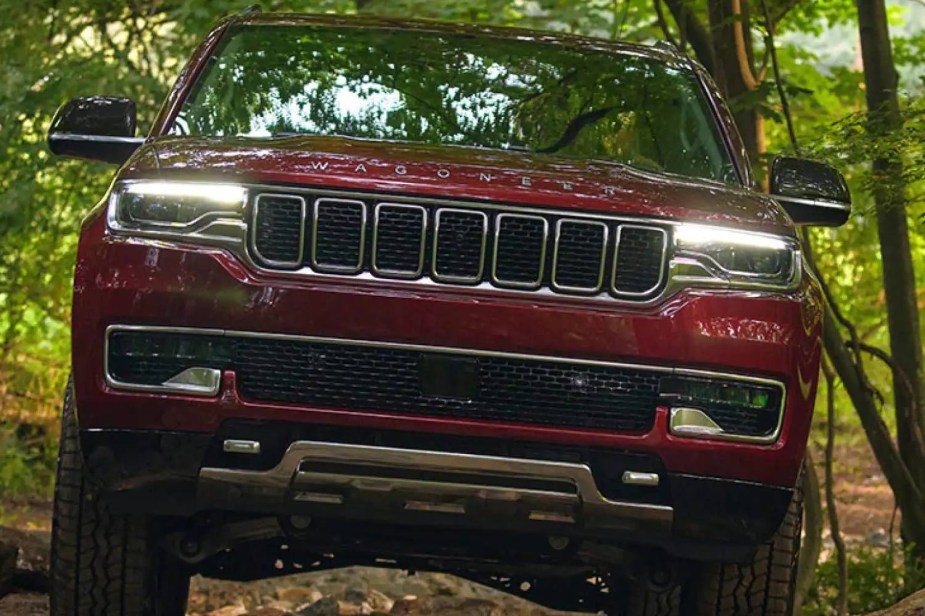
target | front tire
x=104, y=564
x=763, y=587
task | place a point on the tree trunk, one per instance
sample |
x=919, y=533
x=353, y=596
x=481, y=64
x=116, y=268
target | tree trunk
x=812, y=537
x=881, y=79
x=733, y=68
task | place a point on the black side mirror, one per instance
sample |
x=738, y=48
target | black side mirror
x=98, y=128
x=812, y=193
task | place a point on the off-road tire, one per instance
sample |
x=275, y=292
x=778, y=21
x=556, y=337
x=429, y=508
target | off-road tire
x=103, y=564
x=763, y=587
x=645, y=602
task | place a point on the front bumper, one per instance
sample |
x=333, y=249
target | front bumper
x=460, y=483
x=125, y=281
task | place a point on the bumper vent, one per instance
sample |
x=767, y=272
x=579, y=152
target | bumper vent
x=465, y=245
x=372, y=378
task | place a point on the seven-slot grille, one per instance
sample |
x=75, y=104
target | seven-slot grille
x=507, y=248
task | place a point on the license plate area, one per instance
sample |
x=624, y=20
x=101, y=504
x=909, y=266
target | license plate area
x=443, y=376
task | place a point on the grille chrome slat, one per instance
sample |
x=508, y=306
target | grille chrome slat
x=458, y=230
x=272, y=235
x=636, y=279
x=518, y=249
x=504, y=266
x=583, y=258
x=391, y=227
x=338, y=235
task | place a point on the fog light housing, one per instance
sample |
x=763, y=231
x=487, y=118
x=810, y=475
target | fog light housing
x=165, y=361
x=747, y=410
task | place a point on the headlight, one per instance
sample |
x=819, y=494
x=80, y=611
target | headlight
x=740, y=258
x=159, y=205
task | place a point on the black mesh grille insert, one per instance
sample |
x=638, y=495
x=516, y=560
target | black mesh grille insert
x=386, y=379
x=639, y=259
x=520, y=250
x=278, y=229
x=399, y=240
x=580, y=254
x=339, y=233
x=354, y=376
x=459, y=245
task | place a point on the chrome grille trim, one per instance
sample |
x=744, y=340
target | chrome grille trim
x=488, y=282
x=362, y=247
x=661, y=267
x=494, y=261
x=449, y=277
x=555, y=257
x=391, y=273
x=252, y=232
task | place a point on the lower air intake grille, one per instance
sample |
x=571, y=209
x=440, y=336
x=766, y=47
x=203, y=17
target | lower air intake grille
x=387, y=379
x=400, y=380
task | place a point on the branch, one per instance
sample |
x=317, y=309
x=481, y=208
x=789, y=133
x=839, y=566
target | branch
x=841, y=600
x=663, y=24
x=775, y=64
x=899, y=374
x=694, y=31
x=812, y=531
x=745, y=67
x=908, y=495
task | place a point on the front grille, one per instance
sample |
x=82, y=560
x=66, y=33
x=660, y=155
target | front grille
x=466, y=244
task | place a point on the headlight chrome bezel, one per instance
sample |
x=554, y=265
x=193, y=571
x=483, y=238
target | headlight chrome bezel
x=695, y=262
x=216, y=200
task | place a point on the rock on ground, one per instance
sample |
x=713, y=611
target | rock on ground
x=356, y=591
x=913, y=605
x=24, y=604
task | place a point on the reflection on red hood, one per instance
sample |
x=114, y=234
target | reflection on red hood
x=458, y=172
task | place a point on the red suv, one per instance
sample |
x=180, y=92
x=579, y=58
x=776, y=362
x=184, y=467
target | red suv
x=500, y=303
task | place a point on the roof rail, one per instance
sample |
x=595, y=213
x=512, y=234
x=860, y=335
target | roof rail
x=254, y=8
x=667, y=46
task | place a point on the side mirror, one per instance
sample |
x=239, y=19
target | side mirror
x=812, y=193
x=100, y=128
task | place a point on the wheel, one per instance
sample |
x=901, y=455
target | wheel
x=763, y=587
x=103, y=564
x=646, y=602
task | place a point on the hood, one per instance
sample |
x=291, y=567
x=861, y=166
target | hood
x=458, y=173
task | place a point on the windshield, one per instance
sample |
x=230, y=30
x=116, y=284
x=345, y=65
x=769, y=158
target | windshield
x=453, y=89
